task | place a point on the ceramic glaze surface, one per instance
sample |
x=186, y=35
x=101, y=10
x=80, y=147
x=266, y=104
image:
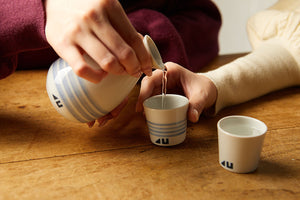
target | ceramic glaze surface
x=240, y=141
x=167, y=125
x=80, y=100
x=153, y=50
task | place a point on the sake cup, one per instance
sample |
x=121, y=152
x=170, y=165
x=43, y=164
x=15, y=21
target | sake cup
x=240, y=140
x=166, y=117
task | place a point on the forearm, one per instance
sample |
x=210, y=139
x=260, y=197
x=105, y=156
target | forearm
x=270, y=67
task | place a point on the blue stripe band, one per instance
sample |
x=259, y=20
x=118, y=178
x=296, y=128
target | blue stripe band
x=88, y=96
x=170, y=124
x=56, y=68
x=167, y=135
x=85, y=103
x=169, y=130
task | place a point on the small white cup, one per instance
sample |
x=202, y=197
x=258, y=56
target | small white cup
x=166, y=118
x=240, y=143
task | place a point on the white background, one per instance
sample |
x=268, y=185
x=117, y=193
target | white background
x=235, y=13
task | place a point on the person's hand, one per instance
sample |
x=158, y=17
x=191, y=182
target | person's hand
x=199, y=89
x=113, y=114
x=100, y=29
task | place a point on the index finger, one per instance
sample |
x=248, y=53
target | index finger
x=124, y=27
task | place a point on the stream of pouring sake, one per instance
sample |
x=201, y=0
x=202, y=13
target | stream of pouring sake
x=164, y=87
x=158, y=64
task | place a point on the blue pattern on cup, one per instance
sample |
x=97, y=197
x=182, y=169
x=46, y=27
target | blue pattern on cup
x=167, y=130
x=84, y=99
x=60, y=91
x=84, y=111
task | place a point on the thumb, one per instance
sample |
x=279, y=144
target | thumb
x=195, y=108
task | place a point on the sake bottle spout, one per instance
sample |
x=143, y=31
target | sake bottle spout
x=155, y=55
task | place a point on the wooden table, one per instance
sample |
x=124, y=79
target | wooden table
x=44, y=156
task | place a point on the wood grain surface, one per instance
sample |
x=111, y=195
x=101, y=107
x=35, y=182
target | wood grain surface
x=44, y=156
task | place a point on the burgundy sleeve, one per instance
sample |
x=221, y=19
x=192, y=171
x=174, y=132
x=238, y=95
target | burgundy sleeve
x=163, y=32
x=21, y=30
x=198, y=23
x=187, y=33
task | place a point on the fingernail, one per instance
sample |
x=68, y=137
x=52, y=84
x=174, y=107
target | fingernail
x=121, y=70
x=138, y=74
x=195, y=114
x=138, y=108
x=102, y=123
x=91, y=124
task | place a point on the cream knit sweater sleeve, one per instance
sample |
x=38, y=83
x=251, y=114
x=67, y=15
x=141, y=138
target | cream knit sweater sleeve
x=272, y=65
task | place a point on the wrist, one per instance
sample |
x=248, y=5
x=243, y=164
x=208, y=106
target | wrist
x=212, y=94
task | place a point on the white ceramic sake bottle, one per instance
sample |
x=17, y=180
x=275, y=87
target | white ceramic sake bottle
x=82, y=101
